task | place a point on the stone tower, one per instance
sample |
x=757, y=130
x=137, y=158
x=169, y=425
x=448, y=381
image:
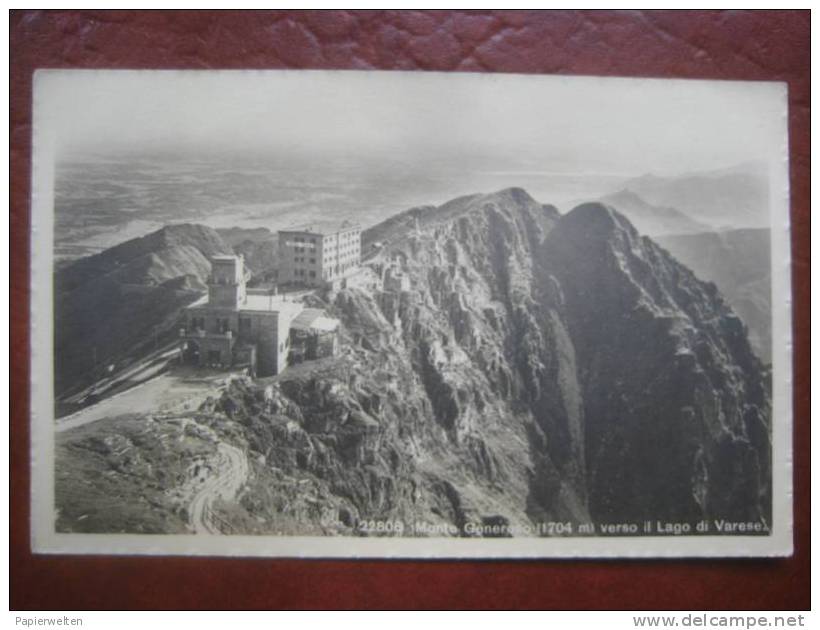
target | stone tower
x=226, y=286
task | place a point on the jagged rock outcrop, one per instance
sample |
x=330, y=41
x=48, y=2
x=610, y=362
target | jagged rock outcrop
x=536, y=367
x=673, y=396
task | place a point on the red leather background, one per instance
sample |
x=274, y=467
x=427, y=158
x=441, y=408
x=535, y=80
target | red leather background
x=719, y=45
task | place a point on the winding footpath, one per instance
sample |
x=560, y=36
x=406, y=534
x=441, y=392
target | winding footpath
x=231, y=473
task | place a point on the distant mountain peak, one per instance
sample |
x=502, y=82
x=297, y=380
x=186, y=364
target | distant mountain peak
x=627, y=194
x=192, y=234
x=514, y=193
x=737, y=196
x=597, y=219
x=650, y=219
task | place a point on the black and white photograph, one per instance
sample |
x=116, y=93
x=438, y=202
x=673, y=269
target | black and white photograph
x=409, y=314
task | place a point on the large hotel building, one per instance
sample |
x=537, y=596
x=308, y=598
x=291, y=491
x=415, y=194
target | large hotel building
x=319, y=255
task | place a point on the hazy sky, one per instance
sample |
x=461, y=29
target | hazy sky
x=545, y=123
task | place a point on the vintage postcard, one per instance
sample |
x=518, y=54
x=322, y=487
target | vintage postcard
x=405, y=314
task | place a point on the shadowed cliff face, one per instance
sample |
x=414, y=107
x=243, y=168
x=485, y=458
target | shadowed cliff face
x=539, y=367
x=676, y=405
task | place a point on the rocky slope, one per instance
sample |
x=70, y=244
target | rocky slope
x=676, y=405
x=537, y=368
x=739, y=263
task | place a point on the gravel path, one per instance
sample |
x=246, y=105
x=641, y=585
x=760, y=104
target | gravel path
x=231, y=473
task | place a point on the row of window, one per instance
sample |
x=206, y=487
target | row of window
x=342, y=252
x=303, y=272
x=325, y=261
x=220, y=324
x=344, y=243
x=339, y=269
x=335, y=259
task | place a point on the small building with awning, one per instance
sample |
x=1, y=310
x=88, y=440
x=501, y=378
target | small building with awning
x=313, y=335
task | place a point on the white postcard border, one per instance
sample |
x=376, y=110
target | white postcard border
x=45, y=540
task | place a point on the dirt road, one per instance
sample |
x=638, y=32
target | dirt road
x=231, y=471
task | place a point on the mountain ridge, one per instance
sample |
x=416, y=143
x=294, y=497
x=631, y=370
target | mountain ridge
x=113, y=306
x=539, y=368
x=734, y=198
x=134, y=252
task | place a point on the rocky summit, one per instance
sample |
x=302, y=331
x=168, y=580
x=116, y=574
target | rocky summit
x=533, y=367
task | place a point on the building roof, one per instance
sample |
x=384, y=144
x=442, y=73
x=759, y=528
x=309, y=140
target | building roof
x=322, y=227
x=270, y=303
x=314, y=319
x=225, y=258
x=325, y=324
x=257, y=303
x=202, y=301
